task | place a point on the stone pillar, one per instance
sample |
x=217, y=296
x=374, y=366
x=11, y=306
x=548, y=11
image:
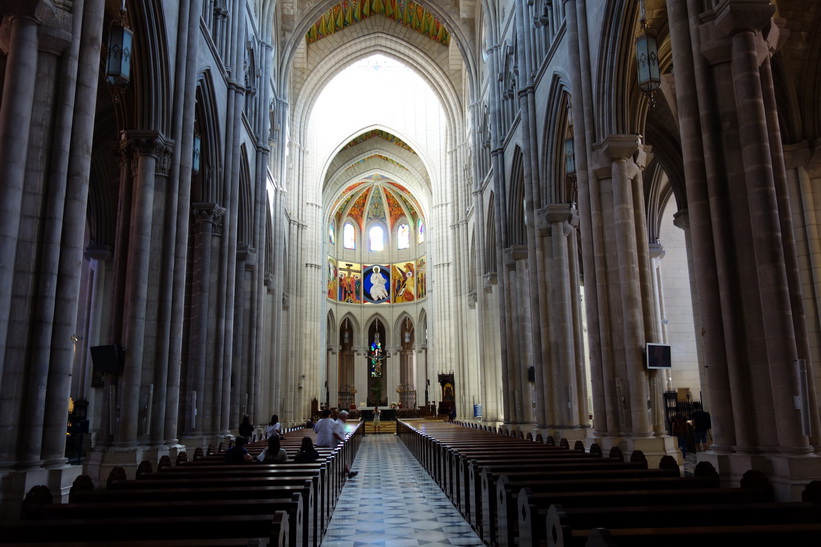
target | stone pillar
x=151, y=152
x=207, y=220
x=15, y=123
x=563, y=386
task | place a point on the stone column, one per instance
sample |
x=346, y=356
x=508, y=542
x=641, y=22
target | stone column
x=151, y=152
x=562, y=385
x=15, y=123
x=207, y=219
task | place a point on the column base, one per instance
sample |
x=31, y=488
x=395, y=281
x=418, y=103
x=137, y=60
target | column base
x=18, y=483
x=789, y=475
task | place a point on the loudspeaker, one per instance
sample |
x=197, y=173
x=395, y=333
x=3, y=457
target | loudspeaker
x=531, y=374
x=107, y=358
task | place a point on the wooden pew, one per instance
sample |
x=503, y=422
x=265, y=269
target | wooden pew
x=532, y=507
x=571, y=527
x=218, y=482
x=749, y=534
x=154, y=531
x=500, y=491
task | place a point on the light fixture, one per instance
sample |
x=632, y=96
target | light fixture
x=647, y=62
x=118, y=63
x=195, y=160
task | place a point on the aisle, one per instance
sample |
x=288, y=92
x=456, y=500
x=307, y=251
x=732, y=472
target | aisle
x=393, y=502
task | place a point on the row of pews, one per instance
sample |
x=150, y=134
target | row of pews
x=522, y=492
x=199, y=501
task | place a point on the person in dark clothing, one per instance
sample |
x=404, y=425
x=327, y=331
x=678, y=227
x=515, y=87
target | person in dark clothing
x=246, y=429
x=307, y=452
x=701, y=425
x=238, y=453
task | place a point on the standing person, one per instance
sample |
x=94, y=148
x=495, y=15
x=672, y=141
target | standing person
x=679, y=430
x=325, y=430
x=273, y=427
x=238, y=453
x=377, y=418
x=341, y=434
x=246, y=429
x=701, y=425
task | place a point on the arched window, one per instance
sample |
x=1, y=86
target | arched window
x=420, y=230
x=403, y=237
x=377, y=238
x=332, y=233
x=349, y=236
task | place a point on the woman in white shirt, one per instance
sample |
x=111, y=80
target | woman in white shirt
x=273, y=427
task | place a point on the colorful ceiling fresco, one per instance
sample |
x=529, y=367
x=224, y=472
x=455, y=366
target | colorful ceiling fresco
x=376, y=198
x=393, y=139
x=405, y=12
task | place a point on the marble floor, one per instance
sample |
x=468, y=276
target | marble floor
x=393, y=502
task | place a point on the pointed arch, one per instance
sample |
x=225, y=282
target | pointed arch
x=515, y=206
x=206, y=186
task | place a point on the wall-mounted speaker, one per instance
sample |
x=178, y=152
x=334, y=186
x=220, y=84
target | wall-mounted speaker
x=107, y=358
x=531, y=373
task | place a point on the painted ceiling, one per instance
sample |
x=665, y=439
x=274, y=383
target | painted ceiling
x=404, y=12
x=376, y=198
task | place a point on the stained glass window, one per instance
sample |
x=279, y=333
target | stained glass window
x=420, y=228
x=377, y=238
x=403, y=236
x=332, y=233
x=349, y=236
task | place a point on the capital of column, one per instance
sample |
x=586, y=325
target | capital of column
x=798, y=154
x=151, y=143
x=490, y=279
x=513, y=254
x=734, y=16
x=681, y=219
x=618, y=147
x=207, y=212
x=99, y=252
x=656, y=250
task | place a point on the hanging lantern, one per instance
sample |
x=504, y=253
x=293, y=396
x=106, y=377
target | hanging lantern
x=118, y=64
x=195, y=160
x=569, y=156
x=647, y=61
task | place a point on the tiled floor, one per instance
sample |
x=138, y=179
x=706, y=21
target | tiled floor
x=393, y=502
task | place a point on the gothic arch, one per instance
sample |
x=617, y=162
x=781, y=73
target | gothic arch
x=490, y=264
x=557, y=127
x=151, y=82
x=245, y=210
x=516, y=231
x=206, y=188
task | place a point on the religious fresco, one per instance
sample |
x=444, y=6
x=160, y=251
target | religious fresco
x=421, y=278
x=377, y=284
x=405, y=12
x=403, y=282
x=359, y=207
x=395, y=211
x=332, y=278
x=376, y=209
x=350, y=282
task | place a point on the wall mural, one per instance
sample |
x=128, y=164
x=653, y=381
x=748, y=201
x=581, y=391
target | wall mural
x=421, y=278
x=377, y=284
x=403, y=282
x=350, y=282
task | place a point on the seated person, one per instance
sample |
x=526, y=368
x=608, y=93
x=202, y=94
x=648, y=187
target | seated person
x=274, y=453
x=307, y=452
x=238, y=453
